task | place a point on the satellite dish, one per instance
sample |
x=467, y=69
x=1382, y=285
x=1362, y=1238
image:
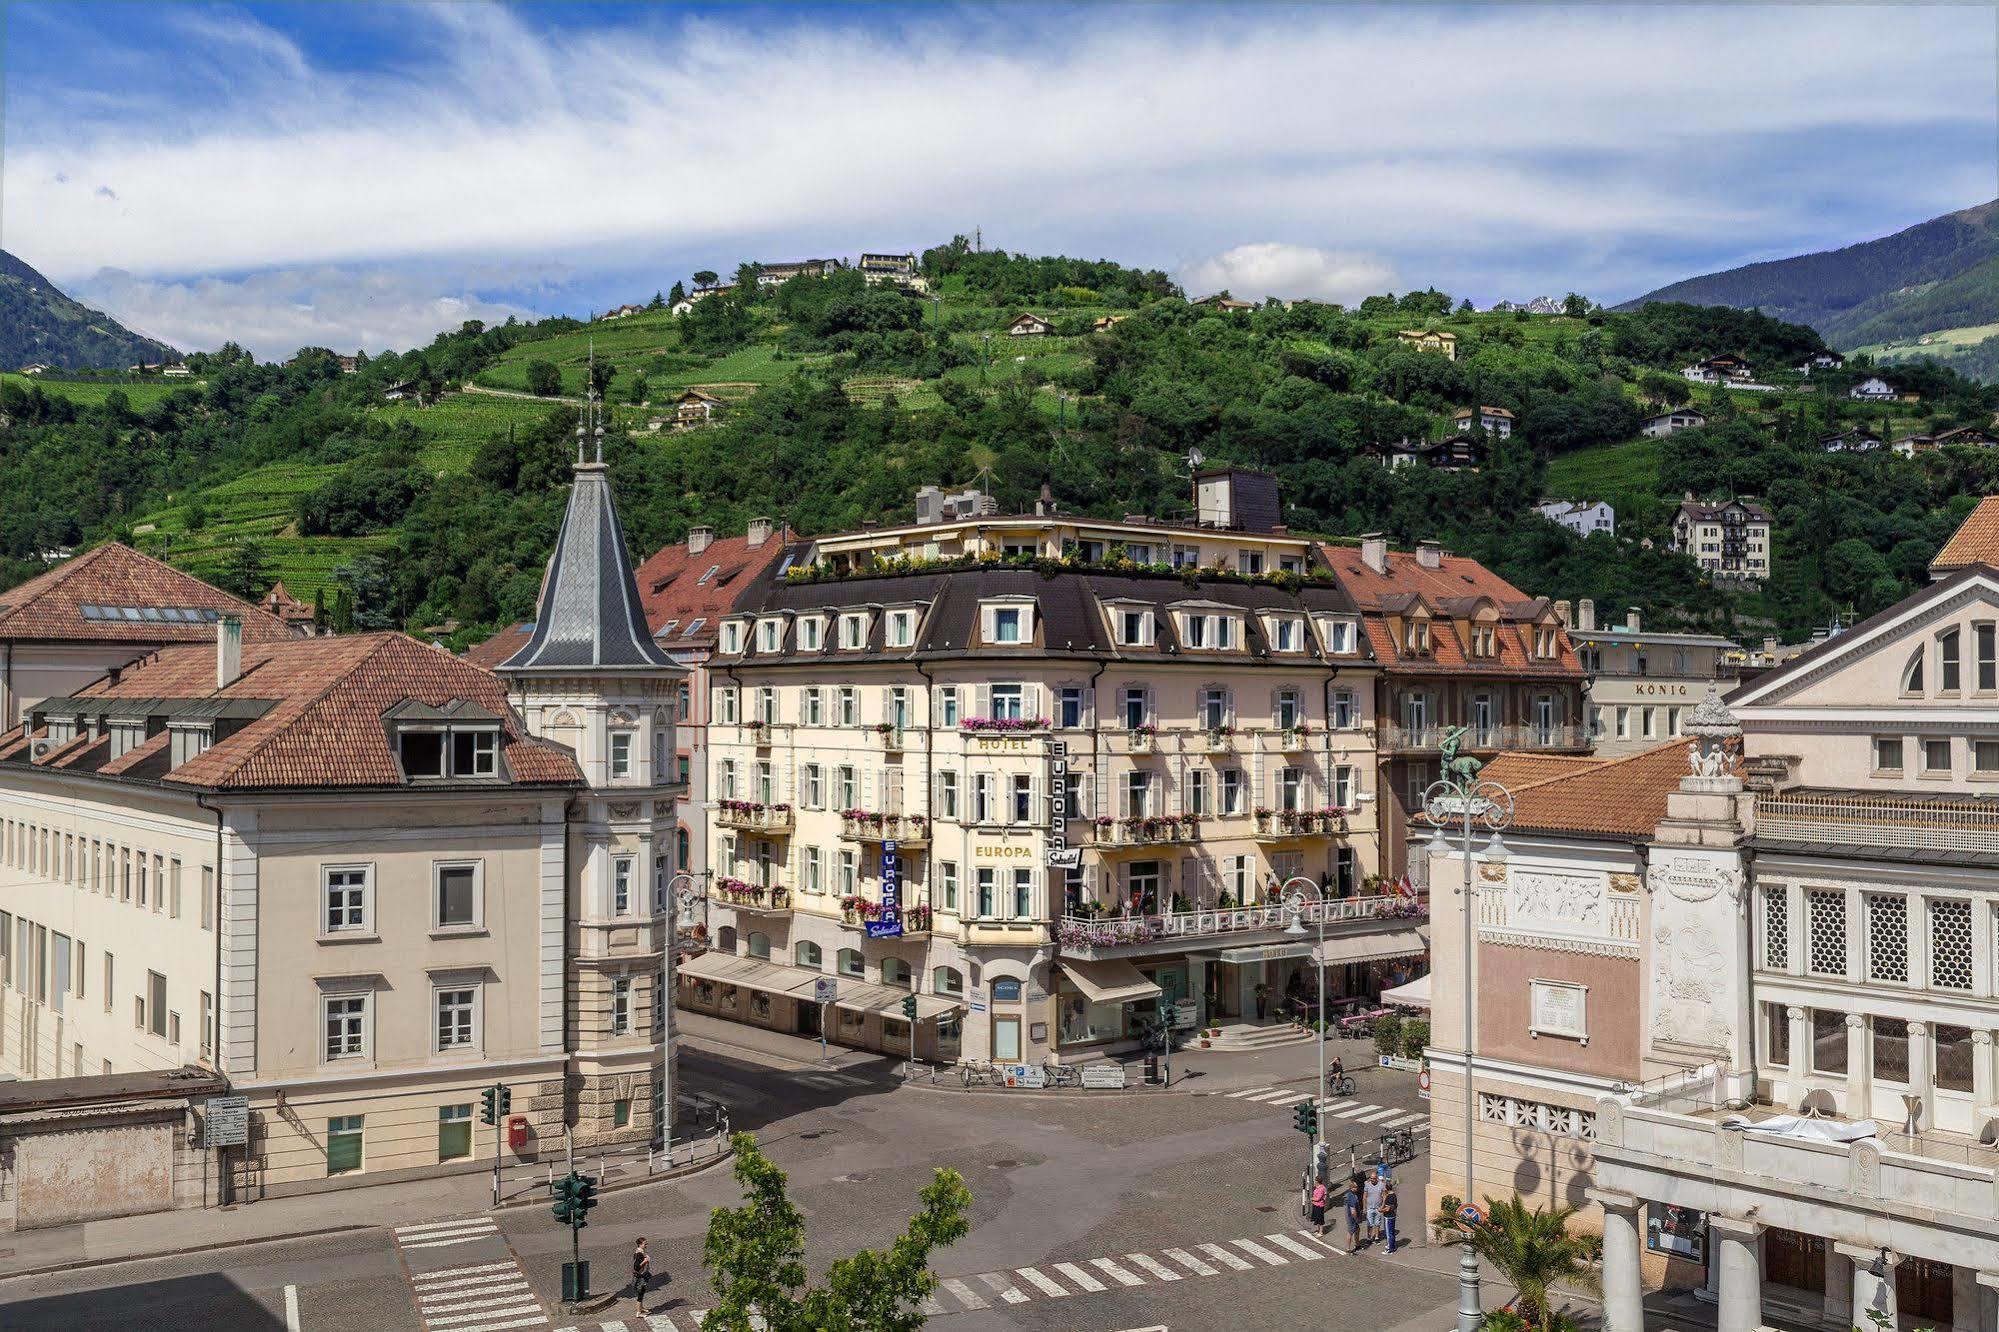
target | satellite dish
x=1194, y=459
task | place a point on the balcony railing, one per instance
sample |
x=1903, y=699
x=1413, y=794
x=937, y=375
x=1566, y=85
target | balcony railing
x=1145, y=830
x=889, y=737
x=863, y=825
x=858, y=911
x=752, y=816
x=746, y=896
x=1414, y=739
x=1278, y=824
x=1855, y=819
x=762, y=733
x=1116, y=931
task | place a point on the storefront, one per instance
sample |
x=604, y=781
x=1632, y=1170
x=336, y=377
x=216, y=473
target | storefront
x=1099, y=1001
x=778, y=997
x=1357, y=967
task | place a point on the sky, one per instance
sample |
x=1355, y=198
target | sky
x=363, y=175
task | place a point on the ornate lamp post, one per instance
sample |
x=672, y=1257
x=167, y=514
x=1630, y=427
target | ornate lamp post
x=1294, y=904
x=1462, y=802
x=674, y=902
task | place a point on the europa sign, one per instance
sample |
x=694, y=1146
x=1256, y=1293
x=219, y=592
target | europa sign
x=1060, y=854
x=889, y=924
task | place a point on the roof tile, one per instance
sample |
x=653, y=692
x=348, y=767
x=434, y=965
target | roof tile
x=49, y=606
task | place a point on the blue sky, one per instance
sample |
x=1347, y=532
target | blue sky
x=364, y=174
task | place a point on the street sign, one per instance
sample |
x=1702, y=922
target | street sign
x=1065, y=858
x=1184, y=1014
x=225, y=1121
x=1026, y=1075
x=1103, y=1077
x=825, y=990
x=1455, y=807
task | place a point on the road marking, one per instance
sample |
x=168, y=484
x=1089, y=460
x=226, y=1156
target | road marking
x=512, y=1274
x=970, y=1298
x=483, y=1318
x=1351, y=1111
x=1283, y=1099
x=291, y=1309
x=1400, y=1120
x=462, y=1223
x=1156, y=1268
x=1248, y=1091
x=1224, y=1257
x=1289, y=1245
x=1079, y=1276
x=1189, y=1261
x=616, y=1325
x=504, y=1327
x=1311, y=1238
x=447, y=1243
x=1255, y=1250
x=1115, y=1272
x=1373, y=1115
x=479, y=1299
x=931, y=1308
x=463, y=1271
x=1003, y=1288
x=1053, y=1289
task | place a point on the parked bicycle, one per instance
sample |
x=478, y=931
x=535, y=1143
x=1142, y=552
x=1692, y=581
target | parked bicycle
x=1062, y=1075
x=974, y=1072
x=1395, y=1147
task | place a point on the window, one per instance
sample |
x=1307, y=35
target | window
x=809, y=955
x=1007, y=624
x=1213, y=705
x=173, y=883
x=809, y=632
x=1912, y=673
x=1891, y=1049
x=947, y=980
x=1131, y=705
x=1947, y=661
x=1069, y=707
x=1952, y=1063
x=454, y=1132
x=770, y=633
x=1200, y=792
x=621, y=1006
x=1985, y=757
x=947, y=795
x=1936, y=756
x=475, y=753
x=901, y=628
x=1284, y=636
x=815, y=881
x=849, y=786
x=897, y=972
x=1249, y=562
x=732, y=637
x=346, y=1026
x=423, y=753
x=982, y=797
x=156, y=1003
x=1887, y=936
x=343, y=1143
x=1022, y=806
x=758, y=946
x=621, y=886
x=947, y=883
x=897, y=712
x=621, y=754
x=1134, y=627
x=726, y=705
x=848, y=700
x=812, y=707
x=1825, y=916
x=947, y=706
x=1346, y=711
x=1233, y=786
x=1343, y=787
x=458, y=896
x=1008, y=702
x=1290, y=710
x=849, y=874
x=1340, y=637
x=848, y=961
x=1137, y=794
x=1776, y=927
x=1023, y=893
x=454, y=1018
x=1291, y=789
x=1986, y=656
x=988, y=888
x=346, y=899
x=1888, y=753
x=207, y=1025
x=621, y=1113
x=1776, y=1035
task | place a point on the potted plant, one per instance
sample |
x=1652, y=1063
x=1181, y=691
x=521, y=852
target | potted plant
x=1262, y=999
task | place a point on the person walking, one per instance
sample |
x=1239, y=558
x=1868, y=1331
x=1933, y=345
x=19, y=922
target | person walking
x=641, y=1274
x=1377, y=1189
x=1319, y=1198
x=1388, y=1206
x=1353, y=1213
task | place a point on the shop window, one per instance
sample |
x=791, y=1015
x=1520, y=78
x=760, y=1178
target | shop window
x=810, y=955
x=852, y=1025
x=343, y=1144
x=947, y=980
x=895, y=971
x=759, y=946
x=1891, y=1049
x=850, y=963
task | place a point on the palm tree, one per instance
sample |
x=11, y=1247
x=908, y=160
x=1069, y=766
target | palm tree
x=1532, y=1249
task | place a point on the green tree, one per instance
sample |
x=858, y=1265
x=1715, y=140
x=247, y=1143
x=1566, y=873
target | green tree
x=343, y=611
x=1532, y=1250
x=544, y=380
x=678, y=294
x=658, y=301
x=1575, y=305
x=248, y=574
x=707, y=277
x=320, y=620
x=197, y=514
x=756, y=1257
x=636, y=395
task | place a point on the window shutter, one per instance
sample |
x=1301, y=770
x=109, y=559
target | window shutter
x=867, y=787
x=982, y=701
x=1030, y=700
x=1090, y=707
x=1102, y=782
x=1151, y=706
x=1174, y=783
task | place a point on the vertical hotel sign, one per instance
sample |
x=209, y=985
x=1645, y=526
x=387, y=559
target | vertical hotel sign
x=1060, y=854
x=889, y=924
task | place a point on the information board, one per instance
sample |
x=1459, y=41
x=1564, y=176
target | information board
x=225, y=1121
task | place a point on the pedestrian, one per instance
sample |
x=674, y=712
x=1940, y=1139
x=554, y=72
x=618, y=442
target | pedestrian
x=1353, y=1213
x=1377, y=1189
x=641, y=1274
x=1388, y=1205
x=1319, y=1197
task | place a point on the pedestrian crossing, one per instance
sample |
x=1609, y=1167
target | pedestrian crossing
x=445, y=1234
x=1332, y=1108
x=483, y=1291
x=829, y=1081
x=971, y=1292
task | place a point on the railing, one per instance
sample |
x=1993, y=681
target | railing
x=1282, y=823
x=751, y=896
x=750, y=816
x=1407, y=738
x=1294, y=738
x=890, y=738
x=1150, y=830
x=762, y=732
x=1967, y=824
x=860, y=825
x=858, y=911
x=1114, y=931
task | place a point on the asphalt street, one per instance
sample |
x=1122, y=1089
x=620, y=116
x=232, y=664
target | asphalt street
x=1167, y=1209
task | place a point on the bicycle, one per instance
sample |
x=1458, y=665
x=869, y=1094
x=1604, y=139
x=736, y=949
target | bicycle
x=972, y=1071
x=1062, y=1075
x=1339, y=1084
x=1395, y=1147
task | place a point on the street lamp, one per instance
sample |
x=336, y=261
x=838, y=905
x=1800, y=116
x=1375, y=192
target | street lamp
x=1462, y=801
x=676, y=898
x=1294, y=904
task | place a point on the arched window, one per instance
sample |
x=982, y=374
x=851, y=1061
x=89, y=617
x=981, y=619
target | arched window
x=1006, y=990
x=895, y=971
x=850, y=964
x=760, y=945
x=809, y=955
x=947, y=980
x=725, y=939
x=1912, y=674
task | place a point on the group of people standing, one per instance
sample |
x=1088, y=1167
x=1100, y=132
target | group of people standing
x=1371, y=1205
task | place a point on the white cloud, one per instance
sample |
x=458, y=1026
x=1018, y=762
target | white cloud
x=275, y=313
x=1289, y=272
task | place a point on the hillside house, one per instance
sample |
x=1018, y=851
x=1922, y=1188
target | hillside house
x=1851, y=441
x=1105, y=323
x=1872, y=389
x=1430, y=340
x=349, y=365
x=1495, y=421
x=1968, y=437
x=36, y=369
x=1717, y=370
x=1224, y=302
x=775, y=275
x=899, y=269
x=695, y=297
x=1671, y=423
x=1824, y=360
x=621, y=312
x=1029, y=325
x=409, y=390
x=1730, y=541
x=1583, y=517
x=1908, y=446
x=695, y=408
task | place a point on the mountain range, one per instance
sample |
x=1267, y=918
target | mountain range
x=1929, y=290
x=40, y=324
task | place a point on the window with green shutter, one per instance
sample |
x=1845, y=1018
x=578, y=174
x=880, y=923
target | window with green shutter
x=343, y=1144
x=454, y=1132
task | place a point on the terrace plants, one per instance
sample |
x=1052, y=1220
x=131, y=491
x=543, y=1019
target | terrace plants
x=1002, y=725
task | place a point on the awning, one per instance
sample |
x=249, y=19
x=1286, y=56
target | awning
x=1416, y=994
x=749, y=972
x=1111, y=981
x=1374, y=947
x=1266, y=952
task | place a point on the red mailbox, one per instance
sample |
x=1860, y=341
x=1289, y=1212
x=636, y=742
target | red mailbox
x=517, y=1133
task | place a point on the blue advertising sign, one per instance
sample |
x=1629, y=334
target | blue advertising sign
x=889, y=924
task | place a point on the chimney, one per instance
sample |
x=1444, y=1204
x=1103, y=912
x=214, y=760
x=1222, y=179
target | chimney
x=1770, y=649
x=1586, y=614
x=1632, y=621
x=1374, y=551
x=699, y=539
x=1429, y=555
x=228, y=651
x=758, y=533
x=1565, y=613
x=1044, y=503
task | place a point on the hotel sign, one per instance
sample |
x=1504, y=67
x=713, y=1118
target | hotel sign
x=1060, y=854
x=889, y=924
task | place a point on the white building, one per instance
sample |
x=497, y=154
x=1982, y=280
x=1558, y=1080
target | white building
x=1670, y=423
x=1872, y=389
x=1583, y=517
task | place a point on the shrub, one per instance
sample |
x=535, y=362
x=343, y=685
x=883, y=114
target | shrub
x=1415, y=1038
x=544, y=380
x=1388, y=1035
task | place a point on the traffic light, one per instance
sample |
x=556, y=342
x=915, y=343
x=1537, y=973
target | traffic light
x=909, y=1007
x=1306, y=1116
x=489, y=1100
x=586, y=1198
x=575, y=1195
x=565, y=1199
x=506, y=1099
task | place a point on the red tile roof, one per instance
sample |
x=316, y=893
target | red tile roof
x=324, y=728
x=1976, y=540
x=494, y=652
x=1617, y=797
x=1451, y=591
x=677, y=586
x=49, y=607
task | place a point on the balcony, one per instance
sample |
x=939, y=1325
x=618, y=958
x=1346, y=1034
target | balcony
x=1142, y=739
x=888, y=736
x=862, y=825
x=1294, y=739
x=1956, y=823
x=762, y=733
x=754, y=897
x=1282, y=825
x=1216, y=739
x=1106, y=933
x=1108, y=834
x=856, y=912
x=1422, y=739
x=752, y=816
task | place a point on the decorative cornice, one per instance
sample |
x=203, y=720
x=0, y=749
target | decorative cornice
x=1557, y=944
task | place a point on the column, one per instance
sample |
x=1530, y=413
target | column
x=1981, y=1069
x=1739, y=1259
x=1965, y=1296
x=1922, y=1082
x=1799, y=1022
x=1873, y=1282
x=1987, y=1302
x=1838, y=1287
x=1858, y=1104
x=1623, y=1285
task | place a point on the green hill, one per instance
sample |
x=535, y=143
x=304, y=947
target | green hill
x=40, y=324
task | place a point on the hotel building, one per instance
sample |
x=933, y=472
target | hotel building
x=1642, y=684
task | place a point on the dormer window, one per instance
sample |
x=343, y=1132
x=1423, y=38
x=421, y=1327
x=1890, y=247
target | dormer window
x=185, y=742
x=732, y=636
x=422, y=754
x=1009, y=623
x=1547, y=642
x=62, y=730
x=1134, y=627
x=1210, y=632
x=456, y=751
x=770, y=635
x=1342, y=637
x=1287, y=635
x=811, y=634
x=1416, y=638
x=901, y=629
x=853, y=632
x=1484, y=640
x=126, y=736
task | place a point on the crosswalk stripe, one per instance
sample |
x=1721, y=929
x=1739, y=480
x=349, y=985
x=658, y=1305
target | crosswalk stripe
x=491, y=1279
x=661, y=1323
x=1052, y=1289
x=1189, y=1261
x=1373, y=1115
x=460, y=1320
x=447, y=1243
x=615, y=1325
x=463, y=1223
x=505, y=1326
x=1400, y=1120
x=931, y=1308
x=461, y=1300
x=1255, y=1250
x=1289, y=1245
x=1247, y=1091
x=1311, y=1238
x=1285, y=1098
x=1157, y=1269
x=1224, y=1257
x=1079, y=1276
x=1353, y=1110
x=464, y=1271
x=968, y=1297
x=1115, y=1272
x=1006, y=1290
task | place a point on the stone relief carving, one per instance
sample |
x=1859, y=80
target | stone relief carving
x=1624, y=883
x=623, y=811
x=1708, y=762
x=1689, y=987
x=1492, y=873
x=1866, y=1163
x=1693, y=880
x=1563, y=902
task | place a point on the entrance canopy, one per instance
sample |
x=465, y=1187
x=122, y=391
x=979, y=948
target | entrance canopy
x=1416, y=994
x=749, y=972
x=1110, y=981
x=861, y=997
x=1277, y=952
x=1373, y=947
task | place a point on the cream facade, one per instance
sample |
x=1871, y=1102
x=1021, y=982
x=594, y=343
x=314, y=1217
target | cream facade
x=1729, y=541
x=1643, y=685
